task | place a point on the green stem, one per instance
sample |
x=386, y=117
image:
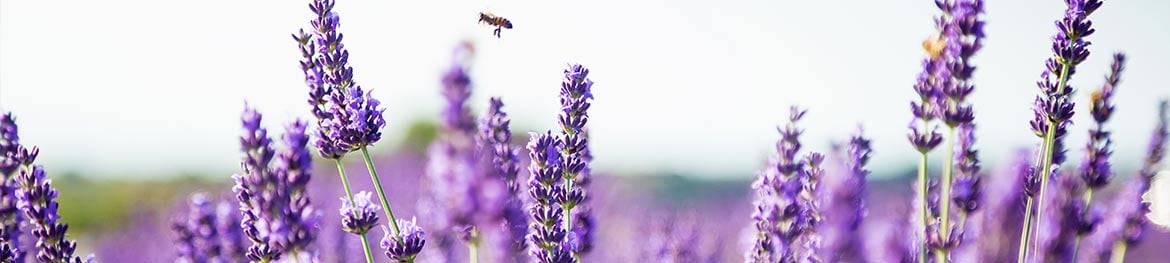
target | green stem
x=1049, y=143
x=568, y=209
x=922, y=196
x=1025, y=233
x=473, y=247
x=378, y=187
x=945, y=197
x=1119, y=248
x=349, y=196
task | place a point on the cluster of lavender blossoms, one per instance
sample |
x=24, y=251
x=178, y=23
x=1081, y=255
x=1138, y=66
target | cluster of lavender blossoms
x=942, y=88
x=844, y=201
x=546, y=231
x=786, y=208
x=198, y=233
x=576, y=96
x=1054, y=109
x=277, y=215
x=27, y=197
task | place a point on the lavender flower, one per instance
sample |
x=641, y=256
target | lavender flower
x=1096, y=170
x=546, y=236
x=197, y=234
x=846, y=206
x=576, y=98
x=495, y=137
x=404, y=246
x=10, y=217
x=359, y=216
x=1054, y=107
x=967, y=193
x=229, y=231
x=38, y=200
x=785, y=211
x=672, y=242
x=1128, y=225
x=293, y=166
x=350, y=118
x=259, y=201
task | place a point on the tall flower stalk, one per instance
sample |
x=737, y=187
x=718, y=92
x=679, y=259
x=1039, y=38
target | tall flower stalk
x=348, y=118
x=495, y=138
x=1096, y=171
x=1054, y=106
x=785, y=208
x=576, y=98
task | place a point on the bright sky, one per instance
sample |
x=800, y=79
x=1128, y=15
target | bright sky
x=151, y=88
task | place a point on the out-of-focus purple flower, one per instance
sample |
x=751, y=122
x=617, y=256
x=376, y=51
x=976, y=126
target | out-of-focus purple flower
x=1067, y=219
x=966, y=192
x=294, y=166
x=229, y=231
x=576, y=97
x=38, y=200
x=1096, y=169
x=263, y=193
x=198, y=235
x=495, y=138
x=845, y=207
x=547, y=237
x=350, y=118
x=785, y=206
x=923, y=141
x=404, y=246
x=1127, y=225
x=361, y=215
x=10, y=216
x=672, y=242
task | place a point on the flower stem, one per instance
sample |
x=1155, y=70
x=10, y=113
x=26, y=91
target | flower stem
x=1118, y=252
x=922, y=196
x=1049, y=143
x=945, y=197
x=378, y=187
x=473, y=247
x=1025, y=233
x=349, y=196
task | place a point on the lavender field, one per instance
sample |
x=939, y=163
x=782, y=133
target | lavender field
x=608, y=131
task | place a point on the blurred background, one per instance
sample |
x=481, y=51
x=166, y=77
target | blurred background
x=136, y=103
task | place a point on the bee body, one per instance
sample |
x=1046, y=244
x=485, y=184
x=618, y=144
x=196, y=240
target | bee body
x=499, y=22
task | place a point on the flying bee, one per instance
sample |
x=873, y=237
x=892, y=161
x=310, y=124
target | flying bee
x=499, y=22
x=934, y=46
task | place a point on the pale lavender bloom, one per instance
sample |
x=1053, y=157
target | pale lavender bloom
x=359, y=216
x=1129, y=221
x=259, y=201
x=229, y=231
x=1067, y=219
x=404, y=246
x=1096, y=169
x=672, y=242
x=294, y=166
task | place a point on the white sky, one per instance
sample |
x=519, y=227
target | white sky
x=151, y=88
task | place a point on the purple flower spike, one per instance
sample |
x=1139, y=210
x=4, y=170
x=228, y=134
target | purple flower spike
x=361, y=215
x=966, y=192
x=348, y=118
x=276, y=214
x=786, y=208
x=294, y=166
x=198, y=234
x=229, y=231
x=10, y=217
x=38, y=200
x=495, y=138
x=547, y=236
x=846, y=206
x=1096, y=169
x=407, y=244
x=576, y=97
